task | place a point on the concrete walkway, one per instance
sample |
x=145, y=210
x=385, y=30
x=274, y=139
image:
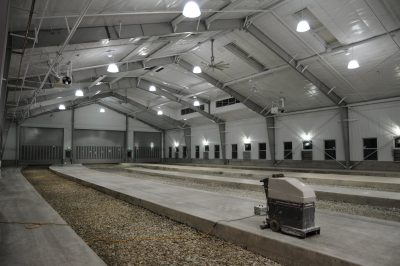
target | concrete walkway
x=344, y=240
x=345, y=194
x=378, y=182
x=31, y=232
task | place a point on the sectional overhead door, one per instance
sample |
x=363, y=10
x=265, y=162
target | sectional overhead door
x=41, y=145
x=147, y=146
x=98, y=146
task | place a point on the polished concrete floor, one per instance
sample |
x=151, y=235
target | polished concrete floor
x=344, y=240
x=31, y=232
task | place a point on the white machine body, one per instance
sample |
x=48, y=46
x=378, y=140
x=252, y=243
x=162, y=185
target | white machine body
x=290, y=189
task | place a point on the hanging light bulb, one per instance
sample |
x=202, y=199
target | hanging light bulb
x=79, y=93
x=303, y=26
x=196, y=70
x=152, y=88
x=102, y=110
x=353, y=64
x=196, y=103
x=159, y=112
x=61, y=107
x=191, y=10
x=112, y=68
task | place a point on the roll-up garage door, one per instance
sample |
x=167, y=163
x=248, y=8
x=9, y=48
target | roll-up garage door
x=41, y=145
x=98, y=146
x=147, y=146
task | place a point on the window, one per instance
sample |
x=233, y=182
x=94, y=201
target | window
x=226, y=102
x=370, y=149
x=247, y=147
x=176, y=153
x=287, y=150
x=216, y=151
x=397, y=142
x=330, y=149
x=234, y=151
x=307, y=145
x=170, y=152
x=184, y=152
x=262, y=151
x=206, y=147
x=187, y=111
x=197, y=152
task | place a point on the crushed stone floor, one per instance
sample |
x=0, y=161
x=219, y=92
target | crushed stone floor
x=392, y=214
x=124, y=234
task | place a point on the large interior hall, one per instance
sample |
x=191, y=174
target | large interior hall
x=199, y=132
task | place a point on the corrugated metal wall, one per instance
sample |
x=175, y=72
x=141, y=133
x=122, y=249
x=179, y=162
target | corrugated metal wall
x=98, y=146
x=41, y=145
x=147, y=146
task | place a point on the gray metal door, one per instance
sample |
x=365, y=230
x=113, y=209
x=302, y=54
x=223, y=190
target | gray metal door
x=41, y=145
x=147, y=146
x=98, y=146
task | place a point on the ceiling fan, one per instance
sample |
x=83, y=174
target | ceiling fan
x=221, y=65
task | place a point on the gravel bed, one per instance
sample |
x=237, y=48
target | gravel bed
x=392, y=214
x=124, y=234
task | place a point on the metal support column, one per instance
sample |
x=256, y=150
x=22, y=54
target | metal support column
x=72, y=134
x=125, y=150
x=17, y=137
x=344, y=122
x=222, y=137
x=271, y=137
x=188, y=142
x=163, y=146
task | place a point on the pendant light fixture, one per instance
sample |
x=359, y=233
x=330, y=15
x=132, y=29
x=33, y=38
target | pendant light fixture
x=152, y=88
x=196, y=103
x=79, y=93
x=191, y=10
x=112, y=68
x=353, y=63
x=159, y=112
x=196, y=70
x=61, y=107
x=102, y=110
x=303, y=26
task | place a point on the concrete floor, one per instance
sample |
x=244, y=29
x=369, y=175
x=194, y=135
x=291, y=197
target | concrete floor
x=31, y=232
x=344, y=240
x=324, y=192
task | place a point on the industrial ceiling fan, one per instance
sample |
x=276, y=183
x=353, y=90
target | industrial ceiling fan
x=221, y=65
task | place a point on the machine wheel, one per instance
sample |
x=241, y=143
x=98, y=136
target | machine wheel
x=275, y=226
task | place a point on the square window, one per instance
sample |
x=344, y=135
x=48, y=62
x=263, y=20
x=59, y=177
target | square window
x=247, y=147
x=287, y=145
x=206, y=148
x=307, y=145
x=397, y=142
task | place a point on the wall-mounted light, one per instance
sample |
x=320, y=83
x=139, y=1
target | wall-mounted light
x=396, y=130
x=159, y=112
x=152, y=88
x=102, y=110
x=176, y=144
x=151, y=145
x=61, y=107
x=246, y=140
x=79, y=93
x=205, y=142
x=306, y=136
x=191, y=10
x=196, y=70
x=112, y=68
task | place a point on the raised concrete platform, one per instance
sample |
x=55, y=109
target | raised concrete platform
x=344, y=194
x=344, y=239
x=31, y=232
x=316, y=169
x=377, y=182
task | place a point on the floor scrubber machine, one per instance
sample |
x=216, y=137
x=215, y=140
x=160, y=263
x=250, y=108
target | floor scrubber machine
x=291, y=206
